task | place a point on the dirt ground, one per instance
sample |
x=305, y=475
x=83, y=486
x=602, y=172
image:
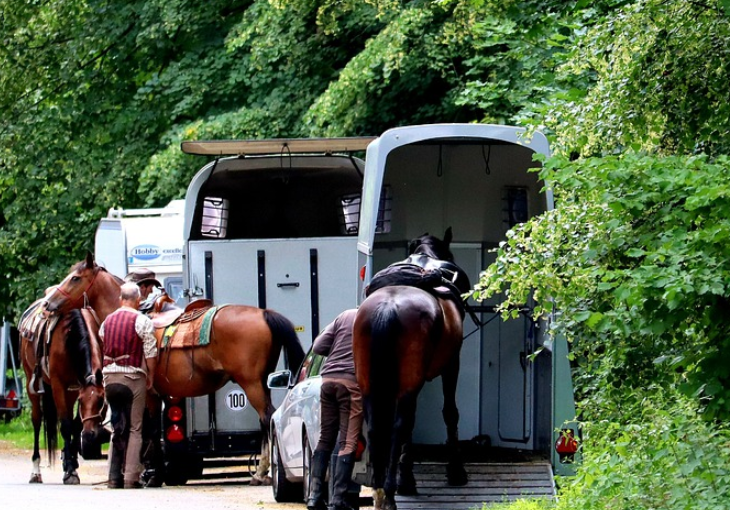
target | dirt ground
x=18, y=494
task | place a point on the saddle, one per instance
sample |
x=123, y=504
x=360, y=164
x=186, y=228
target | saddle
x=440, y=278
x=189, y=327
x=37, y=327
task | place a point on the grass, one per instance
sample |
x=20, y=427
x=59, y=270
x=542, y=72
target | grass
x=18, y=431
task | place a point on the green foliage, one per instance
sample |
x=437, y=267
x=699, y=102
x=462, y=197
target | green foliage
x=637, y=261
x=659, y=456
x=652, y=75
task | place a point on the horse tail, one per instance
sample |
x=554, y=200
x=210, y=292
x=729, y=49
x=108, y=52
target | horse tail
x=283, y=333
x=380, y=405
x=78, y=346
x=50, y=422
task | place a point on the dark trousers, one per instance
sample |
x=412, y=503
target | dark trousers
x=341, y=415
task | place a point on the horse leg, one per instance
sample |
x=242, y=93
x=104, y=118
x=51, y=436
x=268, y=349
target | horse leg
x=455, y=472
x=260, y=399
x=36, y=415
x=405, y=421
x=153, y=458
x=70, y=432
x=69, y=453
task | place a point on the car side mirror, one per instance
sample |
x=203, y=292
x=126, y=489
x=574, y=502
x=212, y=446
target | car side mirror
x=280, y=379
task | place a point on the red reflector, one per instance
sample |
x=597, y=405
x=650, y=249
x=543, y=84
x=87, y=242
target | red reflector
x=360, y=449
x=174, y=434
x=12, y=395
x=175, y=413
x=566, y=443
x=362, y=273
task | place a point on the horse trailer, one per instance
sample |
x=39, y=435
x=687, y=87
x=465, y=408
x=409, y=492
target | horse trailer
x=302, y=225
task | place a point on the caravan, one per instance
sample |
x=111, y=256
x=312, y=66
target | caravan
x=129, y=239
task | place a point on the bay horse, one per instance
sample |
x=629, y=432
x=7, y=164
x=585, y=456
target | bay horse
x=403, y=336
x=245, y=343
x=69, y=372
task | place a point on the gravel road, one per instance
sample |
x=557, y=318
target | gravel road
x=17, y=494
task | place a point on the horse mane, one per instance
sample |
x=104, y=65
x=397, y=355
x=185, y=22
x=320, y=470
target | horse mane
x=78, y=345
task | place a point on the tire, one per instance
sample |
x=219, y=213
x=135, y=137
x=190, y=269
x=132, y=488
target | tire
x=284, y=490
x=306, y=466
x=181, y=468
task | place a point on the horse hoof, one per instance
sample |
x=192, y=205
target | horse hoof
x=257, y=481
x=381, y=501
x=406, y=483
x=71, y=478
x=407, y=489
x=36, y=478
x=456, y=476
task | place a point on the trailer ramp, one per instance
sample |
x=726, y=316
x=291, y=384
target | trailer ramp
x=489, y=483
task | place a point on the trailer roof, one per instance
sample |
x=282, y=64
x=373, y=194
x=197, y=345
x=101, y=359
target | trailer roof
x=276, y=146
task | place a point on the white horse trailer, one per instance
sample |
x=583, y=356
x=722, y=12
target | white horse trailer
x=301, y=226
x=477, y=179
x=269, y=227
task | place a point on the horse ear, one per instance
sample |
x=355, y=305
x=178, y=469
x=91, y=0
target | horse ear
x=448, y=236
x=89, y=260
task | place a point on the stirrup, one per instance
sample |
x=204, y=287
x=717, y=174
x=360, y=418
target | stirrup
x=33, y=383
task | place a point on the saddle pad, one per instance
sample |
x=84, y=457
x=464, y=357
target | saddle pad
x=191, y=329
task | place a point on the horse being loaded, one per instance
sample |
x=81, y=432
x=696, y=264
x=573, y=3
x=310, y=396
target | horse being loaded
x=240, y=342
x=62, y=360
x=407, y=331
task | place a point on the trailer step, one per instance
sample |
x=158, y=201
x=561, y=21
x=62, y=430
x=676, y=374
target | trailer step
x=488, y=483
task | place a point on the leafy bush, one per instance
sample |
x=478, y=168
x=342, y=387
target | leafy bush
x=662, y=456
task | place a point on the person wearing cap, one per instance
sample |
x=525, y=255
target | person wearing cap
x=148, y=284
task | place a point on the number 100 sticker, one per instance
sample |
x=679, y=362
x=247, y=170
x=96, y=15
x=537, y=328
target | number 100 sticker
x=236, y=400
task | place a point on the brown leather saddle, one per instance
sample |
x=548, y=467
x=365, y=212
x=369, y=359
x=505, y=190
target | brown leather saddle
x=183, y=327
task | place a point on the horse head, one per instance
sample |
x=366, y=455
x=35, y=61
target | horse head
x=92, y=411
x=69, y=294
x=432, y=246
x=88, y=284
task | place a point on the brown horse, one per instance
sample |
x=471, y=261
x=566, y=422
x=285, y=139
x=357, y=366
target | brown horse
x=245, y=343
x=404, y=336
x=70, y=371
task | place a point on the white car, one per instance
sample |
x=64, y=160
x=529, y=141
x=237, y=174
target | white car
x=295, y=428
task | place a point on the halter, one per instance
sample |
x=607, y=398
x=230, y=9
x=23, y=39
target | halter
x=84, y=296
x=100, y=415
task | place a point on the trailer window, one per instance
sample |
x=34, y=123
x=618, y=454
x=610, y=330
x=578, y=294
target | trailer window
x=516, y=205
x=351, y=212
x=215, y=218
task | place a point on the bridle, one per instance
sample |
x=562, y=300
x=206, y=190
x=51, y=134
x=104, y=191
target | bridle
x=100, y=415
x=83, y=295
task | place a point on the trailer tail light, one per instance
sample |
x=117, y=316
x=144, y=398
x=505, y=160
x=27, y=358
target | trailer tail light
x=175, y=414
x=174, y=420
x=362, y=273
x=566, y=445
x=174, y=434
x=10, y=401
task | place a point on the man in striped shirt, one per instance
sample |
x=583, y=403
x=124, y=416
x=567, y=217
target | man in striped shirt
x=130, y=359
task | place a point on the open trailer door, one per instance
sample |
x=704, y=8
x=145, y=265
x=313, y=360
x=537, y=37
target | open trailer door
x=478, y=180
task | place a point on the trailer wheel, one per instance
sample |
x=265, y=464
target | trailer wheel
x=181, y=468
x=284, y=490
